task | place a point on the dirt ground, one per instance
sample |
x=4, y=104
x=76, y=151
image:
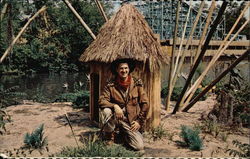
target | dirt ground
x=28, y=116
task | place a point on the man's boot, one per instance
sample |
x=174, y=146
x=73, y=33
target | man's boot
x=109, y=137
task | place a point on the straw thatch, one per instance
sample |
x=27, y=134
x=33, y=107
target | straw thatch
x=126, y=35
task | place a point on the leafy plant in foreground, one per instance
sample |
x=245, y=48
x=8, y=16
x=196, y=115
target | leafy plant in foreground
x=244, y=149
x=93, y=146
x=191, y=138
x=36, y=139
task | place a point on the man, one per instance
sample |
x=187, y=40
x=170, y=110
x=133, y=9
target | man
x=124, y=105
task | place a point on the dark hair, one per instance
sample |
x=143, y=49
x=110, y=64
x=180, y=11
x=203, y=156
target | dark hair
x=115, y=64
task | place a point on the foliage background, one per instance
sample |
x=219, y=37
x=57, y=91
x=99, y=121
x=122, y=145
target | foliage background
x=54, y=40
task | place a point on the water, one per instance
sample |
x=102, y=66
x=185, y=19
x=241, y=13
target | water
x=47, y=85
x=51, y=85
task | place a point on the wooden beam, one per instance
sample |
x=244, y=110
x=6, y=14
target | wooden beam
x=21, y=32
x=79, y=18
x=170, y=87
x=211, y=43
x=214, y=82
x=101, y=10
x=204, y=33
x=182, y=39
x=204, y=48
x=3, y=11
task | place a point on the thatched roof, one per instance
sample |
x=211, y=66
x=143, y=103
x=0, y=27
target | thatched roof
x=126, y=35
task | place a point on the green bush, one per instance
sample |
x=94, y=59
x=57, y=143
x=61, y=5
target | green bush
x=191, y=138
x=177, y=91
x=79, y=99
x=36, y=140
x=39, y=96
x=158, y=133
x=9, y=96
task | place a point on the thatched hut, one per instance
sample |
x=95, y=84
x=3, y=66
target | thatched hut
x=126, y=35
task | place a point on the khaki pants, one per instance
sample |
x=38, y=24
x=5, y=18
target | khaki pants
x=108, y=122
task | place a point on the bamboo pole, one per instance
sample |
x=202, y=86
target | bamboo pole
x=182, y=39
x=215, y=58
x=101, y=10
x=214, y=82
x=192, y=90
x=79, y=18
x=230, y=32
x=170, y=86
x=3, y=11
x=208, y=21
x=21, y=32
x=188, y=42
x=204, y=48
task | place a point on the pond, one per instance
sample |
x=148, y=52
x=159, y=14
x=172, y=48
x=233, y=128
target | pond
x=46, y=85
x=51, y=85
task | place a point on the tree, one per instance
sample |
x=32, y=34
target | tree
x=232, y=13
x=55, y=40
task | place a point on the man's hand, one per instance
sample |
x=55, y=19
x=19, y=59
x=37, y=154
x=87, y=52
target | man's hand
x=118, y=112
x=135, y=126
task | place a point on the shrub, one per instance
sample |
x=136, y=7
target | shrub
x=244, y=149
x=36, y=140
x=39, y=96
x=79, y=99
x=9, y=96
x=158, y=133
x=177, y=91
x=191, y=138
x=94, y=147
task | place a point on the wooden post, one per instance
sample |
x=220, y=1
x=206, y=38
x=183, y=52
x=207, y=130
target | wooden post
x=217, y=55
x=3, y=11
x=204, y=48
x=80, y=19
x=188, y=42
x=209, y=18
x=213, y=83
x=21, y=32
x=215, y=58
x=170, y=86
x=101, y=10
x=180, y=47
x=192, y=90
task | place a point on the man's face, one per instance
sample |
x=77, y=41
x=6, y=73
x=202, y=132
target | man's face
x=123, y=70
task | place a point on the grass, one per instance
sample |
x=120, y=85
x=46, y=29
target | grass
x=93, y=147
x=158, y=133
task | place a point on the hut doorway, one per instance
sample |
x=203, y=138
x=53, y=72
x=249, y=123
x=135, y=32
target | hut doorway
x=94, y=107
